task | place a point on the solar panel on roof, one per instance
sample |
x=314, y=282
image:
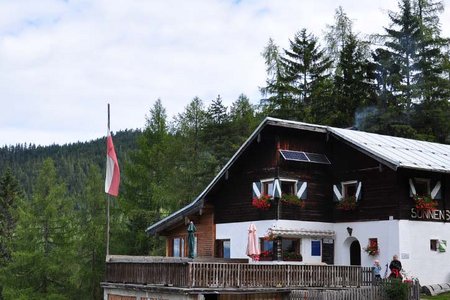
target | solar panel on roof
x=304, y=156
x=317, y=158
x=294, y=155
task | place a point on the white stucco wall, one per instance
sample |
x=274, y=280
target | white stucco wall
x=238, y=234
x=410, y=240
x=427, y=265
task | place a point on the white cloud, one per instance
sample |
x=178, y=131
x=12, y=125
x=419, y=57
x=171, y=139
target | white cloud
x=62, y=61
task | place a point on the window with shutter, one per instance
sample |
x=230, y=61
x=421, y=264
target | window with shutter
x=302, y=189
x=267, y=187
x=422, y=186
x=436, y=192
x=347, y=189
x=256, y=189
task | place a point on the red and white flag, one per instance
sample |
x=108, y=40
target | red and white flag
x=112, y=168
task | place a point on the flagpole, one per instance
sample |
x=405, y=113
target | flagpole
x=107, y=225
x=107, y=207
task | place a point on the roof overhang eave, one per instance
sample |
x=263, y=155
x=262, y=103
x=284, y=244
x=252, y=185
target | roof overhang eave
x=176, y=217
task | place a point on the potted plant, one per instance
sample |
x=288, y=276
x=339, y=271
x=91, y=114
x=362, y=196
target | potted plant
x=292, y=256
x=262, y=202
x=266, y=256
x=292, y=200
x=372, y=249
x=347, y=203
x=425, y=203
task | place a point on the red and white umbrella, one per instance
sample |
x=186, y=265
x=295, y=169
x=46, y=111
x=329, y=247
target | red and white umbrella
x=252, y=245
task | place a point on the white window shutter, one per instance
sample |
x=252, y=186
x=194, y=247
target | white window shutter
x=256, y=189
x=337, y=192
x=301, y=189
x=358, y=191
x=412, y=188
x=276, y=188
x=436, y=192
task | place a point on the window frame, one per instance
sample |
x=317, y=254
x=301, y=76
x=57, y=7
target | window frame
x=345, y=185
x=320, y=247
x=265, y=186
x=420, y=180
x=294, y=183
x=297, y=245
x=220, y=248
x=434, y=245
x=181, y=247
x=268, y=183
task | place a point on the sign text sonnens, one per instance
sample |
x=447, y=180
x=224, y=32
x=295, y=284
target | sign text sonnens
x=438, y=214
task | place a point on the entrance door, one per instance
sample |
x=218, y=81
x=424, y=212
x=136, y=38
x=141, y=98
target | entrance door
x=355, y=254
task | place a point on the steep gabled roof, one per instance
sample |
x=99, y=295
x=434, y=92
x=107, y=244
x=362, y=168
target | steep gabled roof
x=393, y=152
x=397, y=152
x=197, y=204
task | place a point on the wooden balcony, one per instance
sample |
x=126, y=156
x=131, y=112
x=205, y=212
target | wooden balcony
x=211, y=273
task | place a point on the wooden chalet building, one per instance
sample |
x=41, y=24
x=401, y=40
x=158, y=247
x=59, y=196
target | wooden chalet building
x=337, y=197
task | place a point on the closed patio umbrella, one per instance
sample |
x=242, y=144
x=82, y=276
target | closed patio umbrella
x=191, y=239
x=252, y=245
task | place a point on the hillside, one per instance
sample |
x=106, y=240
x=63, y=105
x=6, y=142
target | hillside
x=71, y=160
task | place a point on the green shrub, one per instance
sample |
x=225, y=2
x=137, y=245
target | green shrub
x=396, y=290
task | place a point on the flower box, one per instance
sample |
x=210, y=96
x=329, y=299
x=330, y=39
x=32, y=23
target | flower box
x=292, y=256
x=263, y=202
x=290, y=199
x=425, y=203
x=265, y=258
x=347, y=203
x=372, y=248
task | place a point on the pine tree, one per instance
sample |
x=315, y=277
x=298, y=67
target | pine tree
x=432, y=112
x=243, y=120
x=216, y=135
x=277, y=100
x=411, y=68
x=402, y=43
x=10, y=195
x=43, y=255
x=148, y=182
x=306, y=68
x=193, y=157
x=91, y=216
x=354, y=85
x=337, y=35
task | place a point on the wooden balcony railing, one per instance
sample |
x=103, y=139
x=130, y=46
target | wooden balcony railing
x=220, y=274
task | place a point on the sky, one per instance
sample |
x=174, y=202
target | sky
x=61, y=62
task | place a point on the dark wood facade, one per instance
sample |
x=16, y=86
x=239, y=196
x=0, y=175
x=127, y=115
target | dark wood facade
x=385, y=192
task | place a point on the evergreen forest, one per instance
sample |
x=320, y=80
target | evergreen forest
x=52, y=200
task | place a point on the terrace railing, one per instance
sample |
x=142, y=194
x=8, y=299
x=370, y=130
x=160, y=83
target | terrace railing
x=220, y=274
